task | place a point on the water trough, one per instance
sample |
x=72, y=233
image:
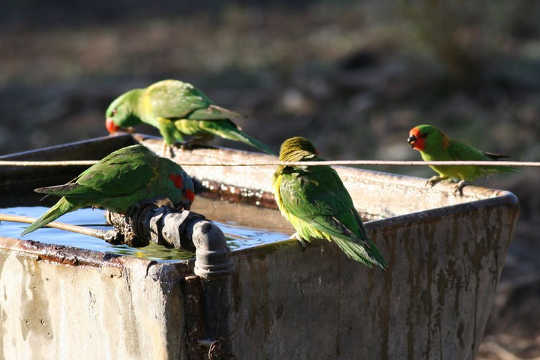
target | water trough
x=275, y=300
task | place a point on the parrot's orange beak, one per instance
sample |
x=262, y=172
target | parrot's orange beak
x=111, y=126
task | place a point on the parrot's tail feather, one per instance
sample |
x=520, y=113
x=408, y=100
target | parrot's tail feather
x=214, y=112
x=232, y=133
x=246, y=139
x=57, y=190
x=232, y=115
x=60, y=208
x=368, y=255
x=494, y=156
x=499, y=169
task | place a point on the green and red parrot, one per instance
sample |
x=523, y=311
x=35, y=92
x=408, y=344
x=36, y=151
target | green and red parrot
x=119, y=181
x=177, y=109
x=434, y=145
x=318, y=205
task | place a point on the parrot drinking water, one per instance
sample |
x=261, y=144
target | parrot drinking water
x=120, y=180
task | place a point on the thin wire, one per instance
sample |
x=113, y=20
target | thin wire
x=294, y=163
x=48, y=163
x=366, y=162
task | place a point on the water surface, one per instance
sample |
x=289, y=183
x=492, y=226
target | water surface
x=238, y=237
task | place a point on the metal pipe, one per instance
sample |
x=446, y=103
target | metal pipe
x=213, y=267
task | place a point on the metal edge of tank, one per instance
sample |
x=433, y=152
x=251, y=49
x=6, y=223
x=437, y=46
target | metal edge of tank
x=252, y=185
x=68, y=255
x=506, y=199
x=69, y=151
x=223, y=154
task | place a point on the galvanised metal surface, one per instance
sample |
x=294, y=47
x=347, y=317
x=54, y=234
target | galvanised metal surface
x=445, y=256
x=432, y=302
x=65, y=303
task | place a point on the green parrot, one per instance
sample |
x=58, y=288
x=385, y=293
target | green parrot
x=176, y=108
x=120, y=180
x=434, y=145
x=318, y=205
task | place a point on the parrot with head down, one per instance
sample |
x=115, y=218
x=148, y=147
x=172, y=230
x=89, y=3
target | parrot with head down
x=119, y=181
x=177, y=109
x=434, y=145
x=318, y=205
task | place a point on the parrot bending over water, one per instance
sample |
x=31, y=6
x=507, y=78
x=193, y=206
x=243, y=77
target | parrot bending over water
x=120, y=180
x=318, y=205
x=434, y=145
x=176, y=108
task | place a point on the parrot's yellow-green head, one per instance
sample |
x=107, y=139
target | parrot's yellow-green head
x=121, y=113
x=427, y=138
x=296, y=149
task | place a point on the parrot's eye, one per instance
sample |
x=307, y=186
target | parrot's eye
x=424, y=135
x=113, y=112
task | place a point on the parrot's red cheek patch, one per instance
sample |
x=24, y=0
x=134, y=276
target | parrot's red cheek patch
x=190, y=195
x=419, y=144
x=177, y=180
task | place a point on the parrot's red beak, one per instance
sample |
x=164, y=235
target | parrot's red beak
x=111, y=126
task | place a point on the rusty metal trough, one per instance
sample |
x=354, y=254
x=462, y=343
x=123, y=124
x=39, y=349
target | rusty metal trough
x=445, y=256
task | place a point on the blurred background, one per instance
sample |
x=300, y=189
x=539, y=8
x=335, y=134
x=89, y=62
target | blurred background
x=353, y=76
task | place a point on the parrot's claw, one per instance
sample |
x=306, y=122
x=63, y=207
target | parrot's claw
x=167, y=149
x=303, y=243
x=459, y=188
x=433, y=180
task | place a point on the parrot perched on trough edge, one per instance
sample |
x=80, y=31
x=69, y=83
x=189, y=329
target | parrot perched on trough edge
x=318, y=205
x=177, y=108
x=434, y=145
x=123, y=178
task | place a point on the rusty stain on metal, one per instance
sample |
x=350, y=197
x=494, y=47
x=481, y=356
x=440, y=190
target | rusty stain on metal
x=194, y=326
x=61, y=254
x=219, y=191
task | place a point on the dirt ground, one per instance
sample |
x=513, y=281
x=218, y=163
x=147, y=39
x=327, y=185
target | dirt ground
x=352, y=77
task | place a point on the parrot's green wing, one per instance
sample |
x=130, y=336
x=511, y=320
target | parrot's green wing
x=173, y=99
x=460, y=151
x=120, y=173
x=317, y=196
